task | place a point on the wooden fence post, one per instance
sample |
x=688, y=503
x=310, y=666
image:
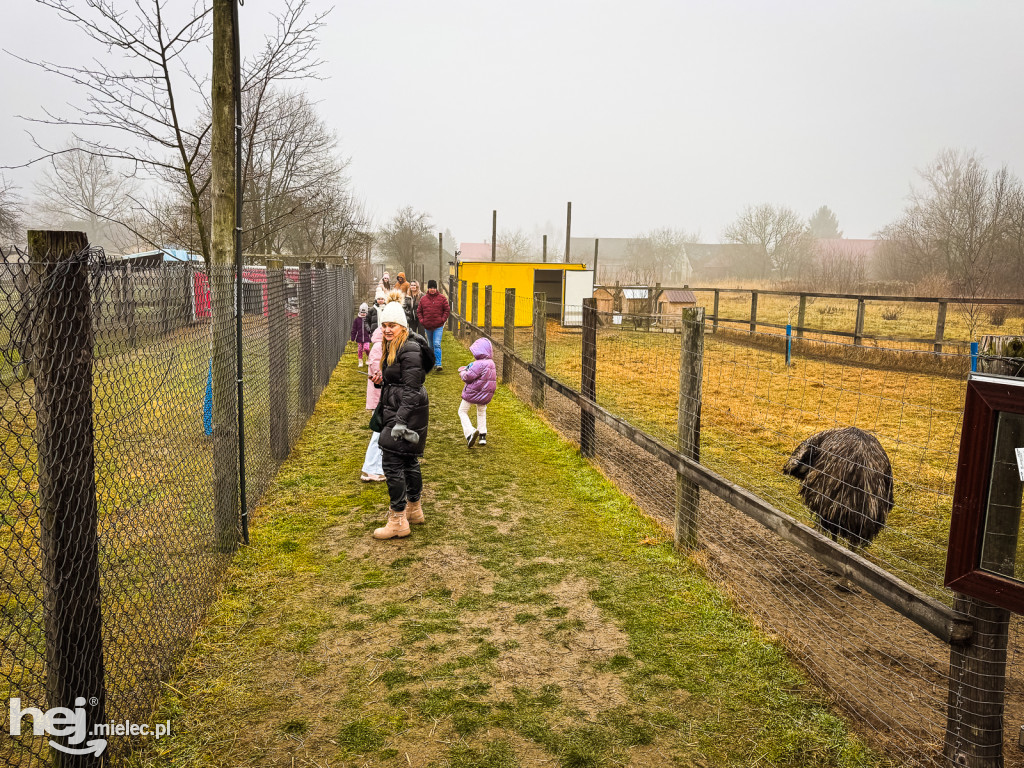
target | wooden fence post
x=474, y=318
x=68, y=509
x=509, y=340
x=753, y=311
x=858, y=325
x=714, y=323
x=306, y=357
x=277, y=360
x=690, y=372
x=588, y=376
x=540, y=337
x=940, y=326
x=488, y=328
x=451, y=304
x=977, y=682
x=462, y=308
x=801, y=315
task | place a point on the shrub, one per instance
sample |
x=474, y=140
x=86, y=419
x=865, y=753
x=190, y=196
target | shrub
x=997, y=315
x=828, y=309
x=892, y=313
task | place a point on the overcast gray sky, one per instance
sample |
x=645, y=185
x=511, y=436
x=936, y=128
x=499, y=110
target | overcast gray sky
x=644, y=114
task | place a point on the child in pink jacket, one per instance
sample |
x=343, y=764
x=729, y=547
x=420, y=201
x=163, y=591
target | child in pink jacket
x=373, y=462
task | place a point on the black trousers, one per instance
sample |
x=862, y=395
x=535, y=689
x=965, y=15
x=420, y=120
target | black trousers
x=405, y=483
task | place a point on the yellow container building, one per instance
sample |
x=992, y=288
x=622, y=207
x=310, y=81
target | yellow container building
x=527, y=278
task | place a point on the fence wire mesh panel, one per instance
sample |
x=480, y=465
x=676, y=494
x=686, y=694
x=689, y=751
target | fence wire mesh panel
x=120, y=467
x=750, y=409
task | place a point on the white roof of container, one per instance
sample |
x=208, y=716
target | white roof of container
x=634, y=293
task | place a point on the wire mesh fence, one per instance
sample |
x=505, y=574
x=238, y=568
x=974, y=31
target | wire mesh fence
x=742, y=410
x=120, y=463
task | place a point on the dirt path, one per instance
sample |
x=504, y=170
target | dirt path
x=536, y=619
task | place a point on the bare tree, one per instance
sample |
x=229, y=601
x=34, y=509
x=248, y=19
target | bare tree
x=407, y=237
x=85, y=191
x=10, y=215
x=133, y=110
x=959, y=225
x=294, y=171
x=777, y=234
x=330, y=223
x=658, y=256
x=837, y=268
x=513, y=246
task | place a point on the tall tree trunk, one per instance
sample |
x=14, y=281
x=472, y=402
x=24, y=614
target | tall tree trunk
x=222, y=146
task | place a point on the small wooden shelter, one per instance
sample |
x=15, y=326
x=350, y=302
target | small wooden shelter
x=673, y=300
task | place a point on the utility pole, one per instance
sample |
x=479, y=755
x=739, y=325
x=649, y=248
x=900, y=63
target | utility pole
x=568, y=230
x=494, y=234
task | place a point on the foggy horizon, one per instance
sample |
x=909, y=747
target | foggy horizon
x=656, y=115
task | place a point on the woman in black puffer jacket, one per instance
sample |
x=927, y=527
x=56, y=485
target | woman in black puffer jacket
x=404, y=364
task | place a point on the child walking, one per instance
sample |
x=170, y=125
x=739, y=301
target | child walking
x=481, y=379
x=359, y=333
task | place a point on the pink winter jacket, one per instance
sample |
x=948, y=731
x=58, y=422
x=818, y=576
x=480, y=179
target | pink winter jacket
x=373, y=366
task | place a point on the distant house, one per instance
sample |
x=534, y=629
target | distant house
x=616, y=263
x=169, y=256
x=714, y=262
x=475, y=251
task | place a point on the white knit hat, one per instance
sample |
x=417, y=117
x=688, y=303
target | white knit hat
x=363, y=309
x=393, y=312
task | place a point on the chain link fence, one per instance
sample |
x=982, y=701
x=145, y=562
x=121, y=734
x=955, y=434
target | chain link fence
x=874, y=628
x=121, y=504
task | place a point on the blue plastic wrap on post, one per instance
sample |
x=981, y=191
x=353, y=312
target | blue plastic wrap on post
x=974, y=357
x=208, y=403
x=789, y=343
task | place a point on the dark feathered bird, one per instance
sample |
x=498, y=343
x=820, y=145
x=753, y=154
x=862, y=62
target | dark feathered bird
x=846, y=482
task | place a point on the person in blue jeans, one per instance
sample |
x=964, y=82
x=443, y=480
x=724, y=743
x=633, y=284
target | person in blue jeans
x=432, y=312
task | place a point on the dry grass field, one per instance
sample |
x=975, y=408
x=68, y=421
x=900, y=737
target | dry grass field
x=883, y=319
x=756, y=410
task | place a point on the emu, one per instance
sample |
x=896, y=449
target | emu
x=846, y=482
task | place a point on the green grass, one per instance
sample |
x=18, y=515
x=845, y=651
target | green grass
x=538, y=616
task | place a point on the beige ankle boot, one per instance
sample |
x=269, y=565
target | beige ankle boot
x=396, y=526
x=414, y=511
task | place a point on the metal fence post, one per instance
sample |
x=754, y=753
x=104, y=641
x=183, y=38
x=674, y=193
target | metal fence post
x=475, y=317
x=488, y=328
x=800, y=315
x=753, y=311
x=306, y=359
x=588, y=375
x=690, y=371
x=509, y=340
x=277, y=360
x=540, y=337
x=68, y=509
x=940, y=326
x=714, y=323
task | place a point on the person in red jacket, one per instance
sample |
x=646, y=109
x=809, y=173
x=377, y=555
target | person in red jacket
x=432, y=312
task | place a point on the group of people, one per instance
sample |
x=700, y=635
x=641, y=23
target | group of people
x=400, y=336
